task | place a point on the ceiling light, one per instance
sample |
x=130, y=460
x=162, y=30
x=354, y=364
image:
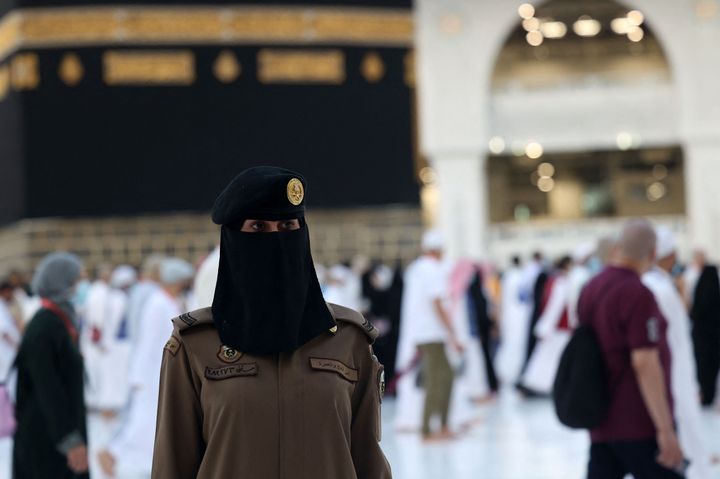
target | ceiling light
x=586, y=26
x=531, y=24
x=636, y=34
x=546, y=170
x=535, y=38
x=624, y=140
x=656, y=191
x=546, y=185
x=526, y=11
x=636, y=18
x=534, y=150
x=496, y=145
x=553, y=29
x=621, y=26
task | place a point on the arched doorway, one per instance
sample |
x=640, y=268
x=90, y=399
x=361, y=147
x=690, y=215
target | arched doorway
x=584, y=122
x=461, y=111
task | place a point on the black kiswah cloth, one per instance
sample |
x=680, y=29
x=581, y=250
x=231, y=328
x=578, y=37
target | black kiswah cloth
x=268, y=298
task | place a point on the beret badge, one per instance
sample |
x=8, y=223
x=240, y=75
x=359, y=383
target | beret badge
x=295, y=192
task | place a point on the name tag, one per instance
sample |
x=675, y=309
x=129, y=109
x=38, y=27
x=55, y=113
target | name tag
x=236, y=370
x=335, y=366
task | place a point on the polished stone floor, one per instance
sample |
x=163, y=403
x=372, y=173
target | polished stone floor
x=514, y=439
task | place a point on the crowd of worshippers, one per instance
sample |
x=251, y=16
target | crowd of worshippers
x=443, y=358
x=465, y=330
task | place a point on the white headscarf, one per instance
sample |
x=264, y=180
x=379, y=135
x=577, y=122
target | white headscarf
x=175, y=270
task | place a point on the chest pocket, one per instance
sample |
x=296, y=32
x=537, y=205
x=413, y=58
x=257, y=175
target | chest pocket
x=334, y=366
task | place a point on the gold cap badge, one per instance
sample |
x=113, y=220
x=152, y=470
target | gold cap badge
x=295, y=191
x=228, y=355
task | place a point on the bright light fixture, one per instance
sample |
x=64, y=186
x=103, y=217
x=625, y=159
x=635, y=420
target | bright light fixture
x=635, y=18
x=546, y=170
x=546, y=185
x=531, y=24
x=496, y=145
x=656, y=191
x=624, y=140
x=636, y=34
x=621, y=26
x=526, y=11
x=586, y=26
x=535, y=38
x=553, y=29
x=534, y=150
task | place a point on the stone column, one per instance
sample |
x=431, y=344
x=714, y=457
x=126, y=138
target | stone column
x=463, y=207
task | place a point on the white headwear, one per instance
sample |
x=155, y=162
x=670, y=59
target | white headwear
x=432, y=240
x=175, y=270
x=583, y=252
x=123, y=276
x=666, y=243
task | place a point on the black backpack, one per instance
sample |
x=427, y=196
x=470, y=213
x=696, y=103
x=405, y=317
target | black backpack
x=580, y=392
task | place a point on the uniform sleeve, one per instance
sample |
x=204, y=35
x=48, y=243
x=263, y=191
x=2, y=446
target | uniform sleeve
x=368, y=458
x=643, y=322
x=49, y=390
x=179, y=445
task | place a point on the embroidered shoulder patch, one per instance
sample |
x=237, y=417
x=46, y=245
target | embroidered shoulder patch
x=335, y=366
x=173, y=345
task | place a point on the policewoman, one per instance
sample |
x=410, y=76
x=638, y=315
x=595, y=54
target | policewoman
x=271, y=382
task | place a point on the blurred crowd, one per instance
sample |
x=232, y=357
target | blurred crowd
x=501, y=327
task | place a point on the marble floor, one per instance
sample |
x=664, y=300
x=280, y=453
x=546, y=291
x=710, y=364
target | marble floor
x=514, y=439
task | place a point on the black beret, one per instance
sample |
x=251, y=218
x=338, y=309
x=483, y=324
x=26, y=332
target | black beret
x=261, y=193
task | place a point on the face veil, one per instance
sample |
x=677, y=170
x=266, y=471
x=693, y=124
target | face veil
x=268, y=298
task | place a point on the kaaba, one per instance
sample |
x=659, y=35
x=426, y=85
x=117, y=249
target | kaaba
x=121, y=123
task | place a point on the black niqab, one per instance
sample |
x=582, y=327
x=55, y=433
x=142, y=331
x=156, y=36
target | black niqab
x=268, y=298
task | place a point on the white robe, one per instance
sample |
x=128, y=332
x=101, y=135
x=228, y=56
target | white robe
x=685, y=390
x=514, y=323
x=205, y=280
x=543, y=364
x=133, y=445
x=106, y=360
x=138, y=297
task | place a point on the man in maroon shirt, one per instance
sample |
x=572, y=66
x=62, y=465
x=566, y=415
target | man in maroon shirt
x=638, y=435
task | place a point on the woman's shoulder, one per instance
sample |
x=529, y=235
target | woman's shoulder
x=357, y=323
x=43, y=320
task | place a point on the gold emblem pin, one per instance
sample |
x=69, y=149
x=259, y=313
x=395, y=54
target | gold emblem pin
x=228, y=355
x=333, y=330
x=295, y=191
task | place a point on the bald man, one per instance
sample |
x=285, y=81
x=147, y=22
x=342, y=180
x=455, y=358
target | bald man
x=638, y=434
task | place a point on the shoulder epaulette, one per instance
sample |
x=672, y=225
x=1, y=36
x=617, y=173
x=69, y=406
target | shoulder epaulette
x=193, y=318
x=347, y=315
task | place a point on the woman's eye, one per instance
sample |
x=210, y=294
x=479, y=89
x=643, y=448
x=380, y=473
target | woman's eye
x=258, y=226
x=288, y=225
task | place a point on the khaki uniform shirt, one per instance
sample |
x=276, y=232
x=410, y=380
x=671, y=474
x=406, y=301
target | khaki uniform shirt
x=313, y=413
